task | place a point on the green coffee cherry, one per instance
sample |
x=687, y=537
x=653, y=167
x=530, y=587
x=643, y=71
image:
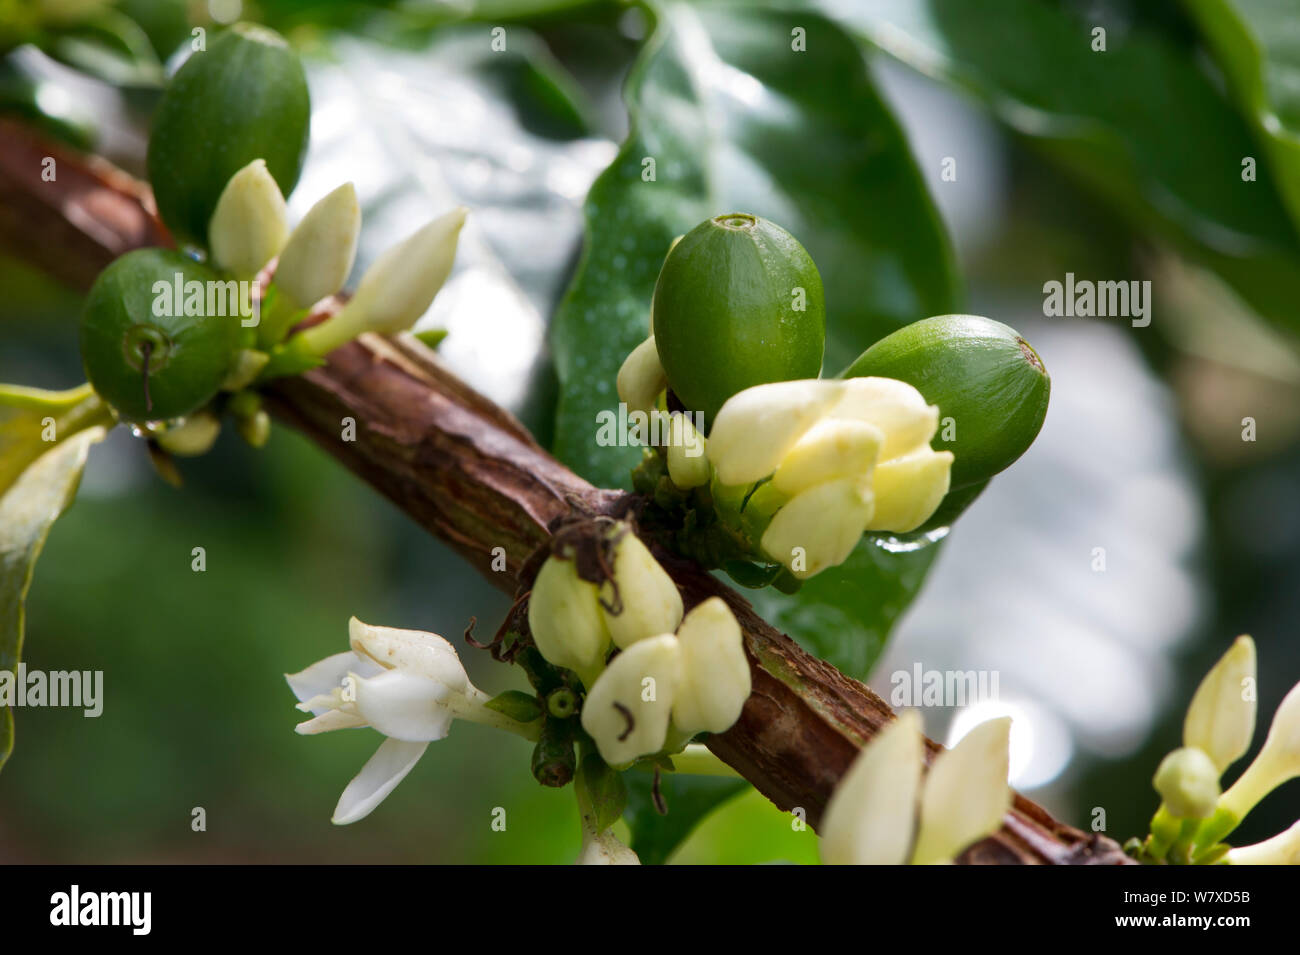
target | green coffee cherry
x=738, y=303
x=146, y=357
x=243, y=98
x=981, y=374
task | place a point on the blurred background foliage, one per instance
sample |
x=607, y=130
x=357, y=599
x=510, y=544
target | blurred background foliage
x=1121, y=163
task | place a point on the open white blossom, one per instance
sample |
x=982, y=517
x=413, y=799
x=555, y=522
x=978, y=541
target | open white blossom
x=407, y=684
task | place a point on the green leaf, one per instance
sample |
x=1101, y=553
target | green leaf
x=845, y=614
x=1258, y=46
x=735, y=120
x=32, y=419
x=688, y=798
x=28, y=508
x=1140, y=123
x=516, y=704
x=451, y=122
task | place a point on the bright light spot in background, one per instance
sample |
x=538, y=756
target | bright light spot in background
x=225, y=11
x=1040, y=742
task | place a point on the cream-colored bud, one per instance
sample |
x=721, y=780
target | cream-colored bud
x=646, y=598
x=566, y=620
x=871, y=815
x=1277, y=761
x=194, y=436
x=819, y=527
x=714, y=682
x=1188, y=782
x=757, y=427
x=687, y=465
x=895, y=407
x=627, y=710
x=604, y=848
x=318, y=257
x=1221, y=718
x=965, y=794
x=833, y=448
x=909, y=489
x=397, y=289
x=250, y=223
x=641, y=377
x=1282, y=849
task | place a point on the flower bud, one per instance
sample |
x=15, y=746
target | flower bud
x=819, y=527
x=397, y=289
x=965, y=794
x=645, y=597
x=871, y=815
x=714, y=682
x=1188, y=782
x=907, y=490
x=628, y=709
x=641, y=379
x=1221, y=718
x=1282, y=849
x=1277, y=762
x=250, y=224
x=318, y=257
x=566, y=620
x=603, y=848
x=195, y=435
x=255, y=429
x=687, y=465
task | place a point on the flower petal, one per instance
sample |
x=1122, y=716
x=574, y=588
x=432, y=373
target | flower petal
x=414, y=651
x=1221, y=718
x=819, y=527
x=403, y=706
x=966, y=793
x=328, y=721
x=895, y=407
x=323, y=676
x=833, y=448
x=757, y=427
x=379, y=777
x=909, y=489
x=871, y=815
x=1282, y=849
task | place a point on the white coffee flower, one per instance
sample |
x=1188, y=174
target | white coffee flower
x=407, y=684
